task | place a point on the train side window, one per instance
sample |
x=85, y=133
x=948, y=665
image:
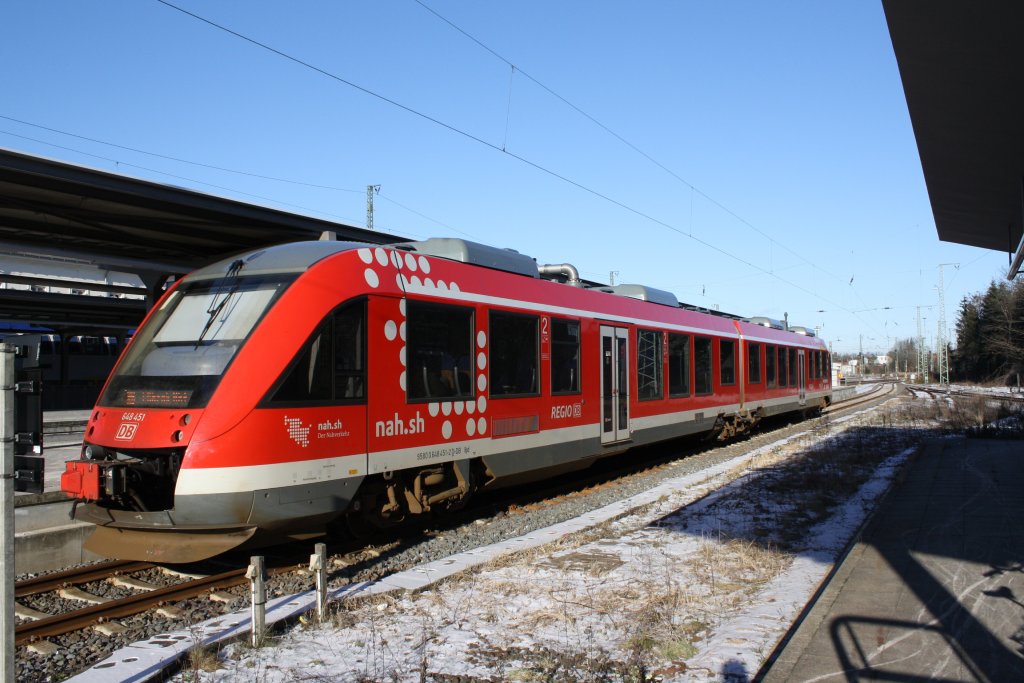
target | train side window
x=753, y=363
x=727, y=361
x=702, y=365
x=565, y=356
x=769, y=365
x=350, y=352
x=331, y=367
x=439, y=351
x=783, y=372
x=678, y=365
x=792, y=367
x=649, y=365
x=513, y=358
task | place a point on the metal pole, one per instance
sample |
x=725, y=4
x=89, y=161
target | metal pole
x=258, y=591
x=7, y=620
x=318, y=564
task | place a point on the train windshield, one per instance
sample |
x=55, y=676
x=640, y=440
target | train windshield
x=177, y=359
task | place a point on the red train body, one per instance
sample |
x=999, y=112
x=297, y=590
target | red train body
x=294, y=387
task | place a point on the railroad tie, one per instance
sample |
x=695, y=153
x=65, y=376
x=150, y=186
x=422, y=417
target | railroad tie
x=43, y=648
x=81, y=596
x=25, y=612
x=109, y=628
x=171, y=612
x=132, y=583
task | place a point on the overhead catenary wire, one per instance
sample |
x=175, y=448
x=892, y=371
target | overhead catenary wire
x=118, y=162
x=200, y=164
x=173, y=158
x=465, y=134
x=694, y=189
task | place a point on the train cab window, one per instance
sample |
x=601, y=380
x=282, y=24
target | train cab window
x=783, y=372
x=769, y=365
x=727, y=361
x=649, y=365
x=678, y=365
x=440, y=348
x=702, y=365
x=753, y=363
x=514, y=354
x=331, y=367
x=565, y=356
x=792, y=367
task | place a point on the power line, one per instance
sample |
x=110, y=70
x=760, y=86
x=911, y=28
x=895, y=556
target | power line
x=118, y=162
x=497, y=148
x=617, y=136
x=205, y=165
x=177, y=159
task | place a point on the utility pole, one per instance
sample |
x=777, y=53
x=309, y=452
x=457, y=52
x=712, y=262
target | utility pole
x=860, y=354
x=942, y=342
x=370, y=191
x=920, y=349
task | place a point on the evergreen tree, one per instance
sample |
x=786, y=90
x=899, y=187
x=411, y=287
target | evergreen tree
x=966, y=359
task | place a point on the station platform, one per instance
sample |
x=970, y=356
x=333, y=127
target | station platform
x=45, y=538
x=934, y=588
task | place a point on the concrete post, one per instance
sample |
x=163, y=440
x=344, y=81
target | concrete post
x=258, y=591
x=318, y=565
x=7, y=620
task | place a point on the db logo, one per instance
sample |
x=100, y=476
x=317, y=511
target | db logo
x=126, y=432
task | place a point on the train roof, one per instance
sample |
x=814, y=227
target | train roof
x=297, y=257
x=293, y=257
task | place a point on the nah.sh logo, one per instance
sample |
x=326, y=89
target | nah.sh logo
x=298, y=432
x=126, y=431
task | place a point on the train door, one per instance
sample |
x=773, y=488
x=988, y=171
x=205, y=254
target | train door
x=802, y=375
x=614, y=384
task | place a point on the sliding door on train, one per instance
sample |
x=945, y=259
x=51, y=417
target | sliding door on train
x=802, y=376
x=614, y=384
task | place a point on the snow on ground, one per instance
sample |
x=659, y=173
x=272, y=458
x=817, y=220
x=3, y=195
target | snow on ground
x=698, y=585
x=994, y=391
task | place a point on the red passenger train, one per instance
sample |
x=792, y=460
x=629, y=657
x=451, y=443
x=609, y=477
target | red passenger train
x=313, y=383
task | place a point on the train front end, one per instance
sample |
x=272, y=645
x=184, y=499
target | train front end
x=163, y=407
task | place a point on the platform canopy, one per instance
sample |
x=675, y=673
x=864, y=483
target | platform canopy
x=55, y=210
x=962, y=66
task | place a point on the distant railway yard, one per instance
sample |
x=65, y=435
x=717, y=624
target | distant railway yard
x=677, y=560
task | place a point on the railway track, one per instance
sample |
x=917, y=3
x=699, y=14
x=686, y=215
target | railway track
x=177, y=587
x=943, y=392
x=36, y=627
x=102, y=611
x=879, y=391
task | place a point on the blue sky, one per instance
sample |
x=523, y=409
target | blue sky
x=791, y=163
